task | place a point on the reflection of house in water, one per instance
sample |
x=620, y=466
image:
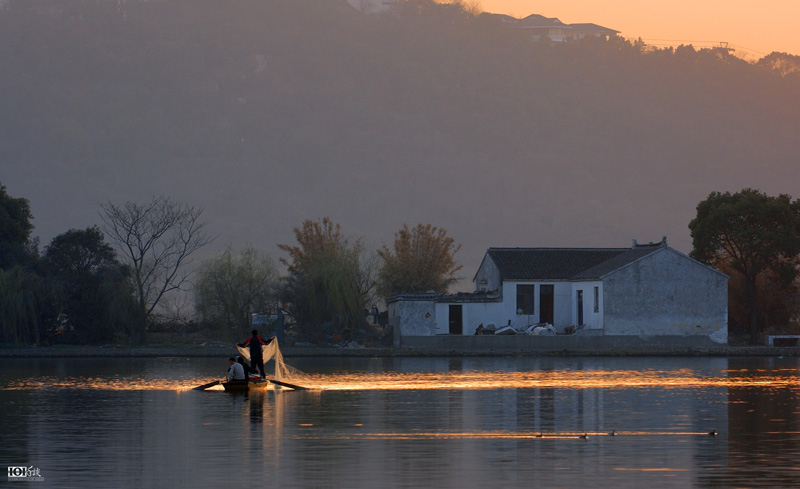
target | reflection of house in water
x=501, y=425
x=505, y=423
x=763, y=422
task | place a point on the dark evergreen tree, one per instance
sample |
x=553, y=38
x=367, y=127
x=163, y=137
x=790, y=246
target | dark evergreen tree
x=752, y=234
x=91, y=296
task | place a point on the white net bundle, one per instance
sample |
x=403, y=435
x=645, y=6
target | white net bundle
x=269, y=352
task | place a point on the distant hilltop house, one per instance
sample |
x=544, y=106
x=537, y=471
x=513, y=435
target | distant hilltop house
x=554, y=30
x=580, y=297
x=372, y=6
x=539, y=26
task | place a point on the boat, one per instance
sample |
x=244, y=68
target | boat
x=244, y=385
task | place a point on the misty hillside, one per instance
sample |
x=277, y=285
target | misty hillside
x=267, y=112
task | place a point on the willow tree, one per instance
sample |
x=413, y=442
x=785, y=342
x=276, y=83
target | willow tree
x=230, y=287
x=752, y=234
x=423, y=259
x=329, y=279
x=21, y=288
x=20, y=306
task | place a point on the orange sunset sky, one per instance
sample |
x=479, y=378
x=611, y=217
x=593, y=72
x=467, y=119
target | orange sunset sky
x=753, y=28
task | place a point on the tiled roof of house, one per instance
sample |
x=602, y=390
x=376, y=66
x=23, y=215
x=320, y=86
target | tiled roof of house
x=592, y=28
x=536, y=21
x=615, y=263
x=563, y=263
x=533, y=20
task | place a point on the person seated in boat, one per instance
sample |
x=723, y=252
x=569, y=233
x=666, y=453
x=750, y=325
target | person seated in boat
x=235, y=371
x=247, y=368
x=256, y=358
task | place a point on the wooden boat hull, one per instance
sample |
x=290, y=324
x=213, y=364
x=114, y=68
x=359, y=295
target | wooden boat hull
x=242, y=386
x=236, y=386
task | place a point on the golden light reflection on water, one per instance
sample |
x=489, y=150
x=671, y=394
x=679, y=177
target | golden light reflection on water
x=463, y=380
x=105, y=383
x=559, y=379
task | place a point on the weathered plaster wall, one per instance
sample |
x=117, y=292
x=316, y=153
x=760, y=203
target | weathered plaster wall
x=665, y=293
x=413, y=317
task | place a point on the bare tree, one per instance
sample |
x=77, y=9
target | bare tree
x=156, y=239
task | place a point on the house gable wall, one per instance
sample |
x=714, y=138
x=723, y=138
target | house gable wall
x=665, y=293
x=487, y=276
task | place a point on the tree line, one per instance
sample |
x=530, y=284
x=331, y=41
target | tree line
x=82, y=290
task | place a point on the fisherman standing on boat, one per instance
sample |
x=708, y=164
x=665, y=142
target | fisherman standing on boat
x=256, y=358
x=235, y=371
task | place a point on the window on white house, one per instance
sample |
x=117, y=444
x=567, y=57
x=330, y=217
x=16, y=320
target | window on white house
x=597, y=299
x=525, y=298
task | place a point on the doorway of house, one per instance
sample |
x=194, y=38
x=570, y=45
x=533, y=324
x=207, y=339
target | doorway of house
x=546, y=296
x=456, y=321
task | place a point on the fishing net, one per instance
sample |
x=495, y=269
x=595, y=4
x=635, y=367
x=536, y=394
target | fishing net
x=269, y=352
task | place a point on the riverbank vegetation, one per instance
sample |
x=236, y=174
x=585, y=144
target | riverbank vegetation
x=78, y=291
x=81, y=291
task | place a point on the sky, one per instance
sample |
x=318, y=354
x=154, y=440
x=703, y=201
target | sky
x=753, y=29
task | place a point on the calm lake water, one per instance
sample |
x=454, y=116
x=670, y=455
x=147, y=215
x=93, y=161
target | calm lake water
x=406, y=422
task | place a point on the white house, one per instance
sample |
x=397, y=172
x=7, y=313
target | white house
x=553, y=30
x=372, y=6
x=647, y=290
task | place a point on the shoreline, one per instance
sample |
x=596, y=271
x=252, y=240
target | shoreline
x=299, y=352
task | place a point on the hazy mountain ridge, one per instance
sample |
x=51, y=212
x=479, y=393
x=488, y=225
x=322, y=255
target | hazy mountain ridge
x=268, y=112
